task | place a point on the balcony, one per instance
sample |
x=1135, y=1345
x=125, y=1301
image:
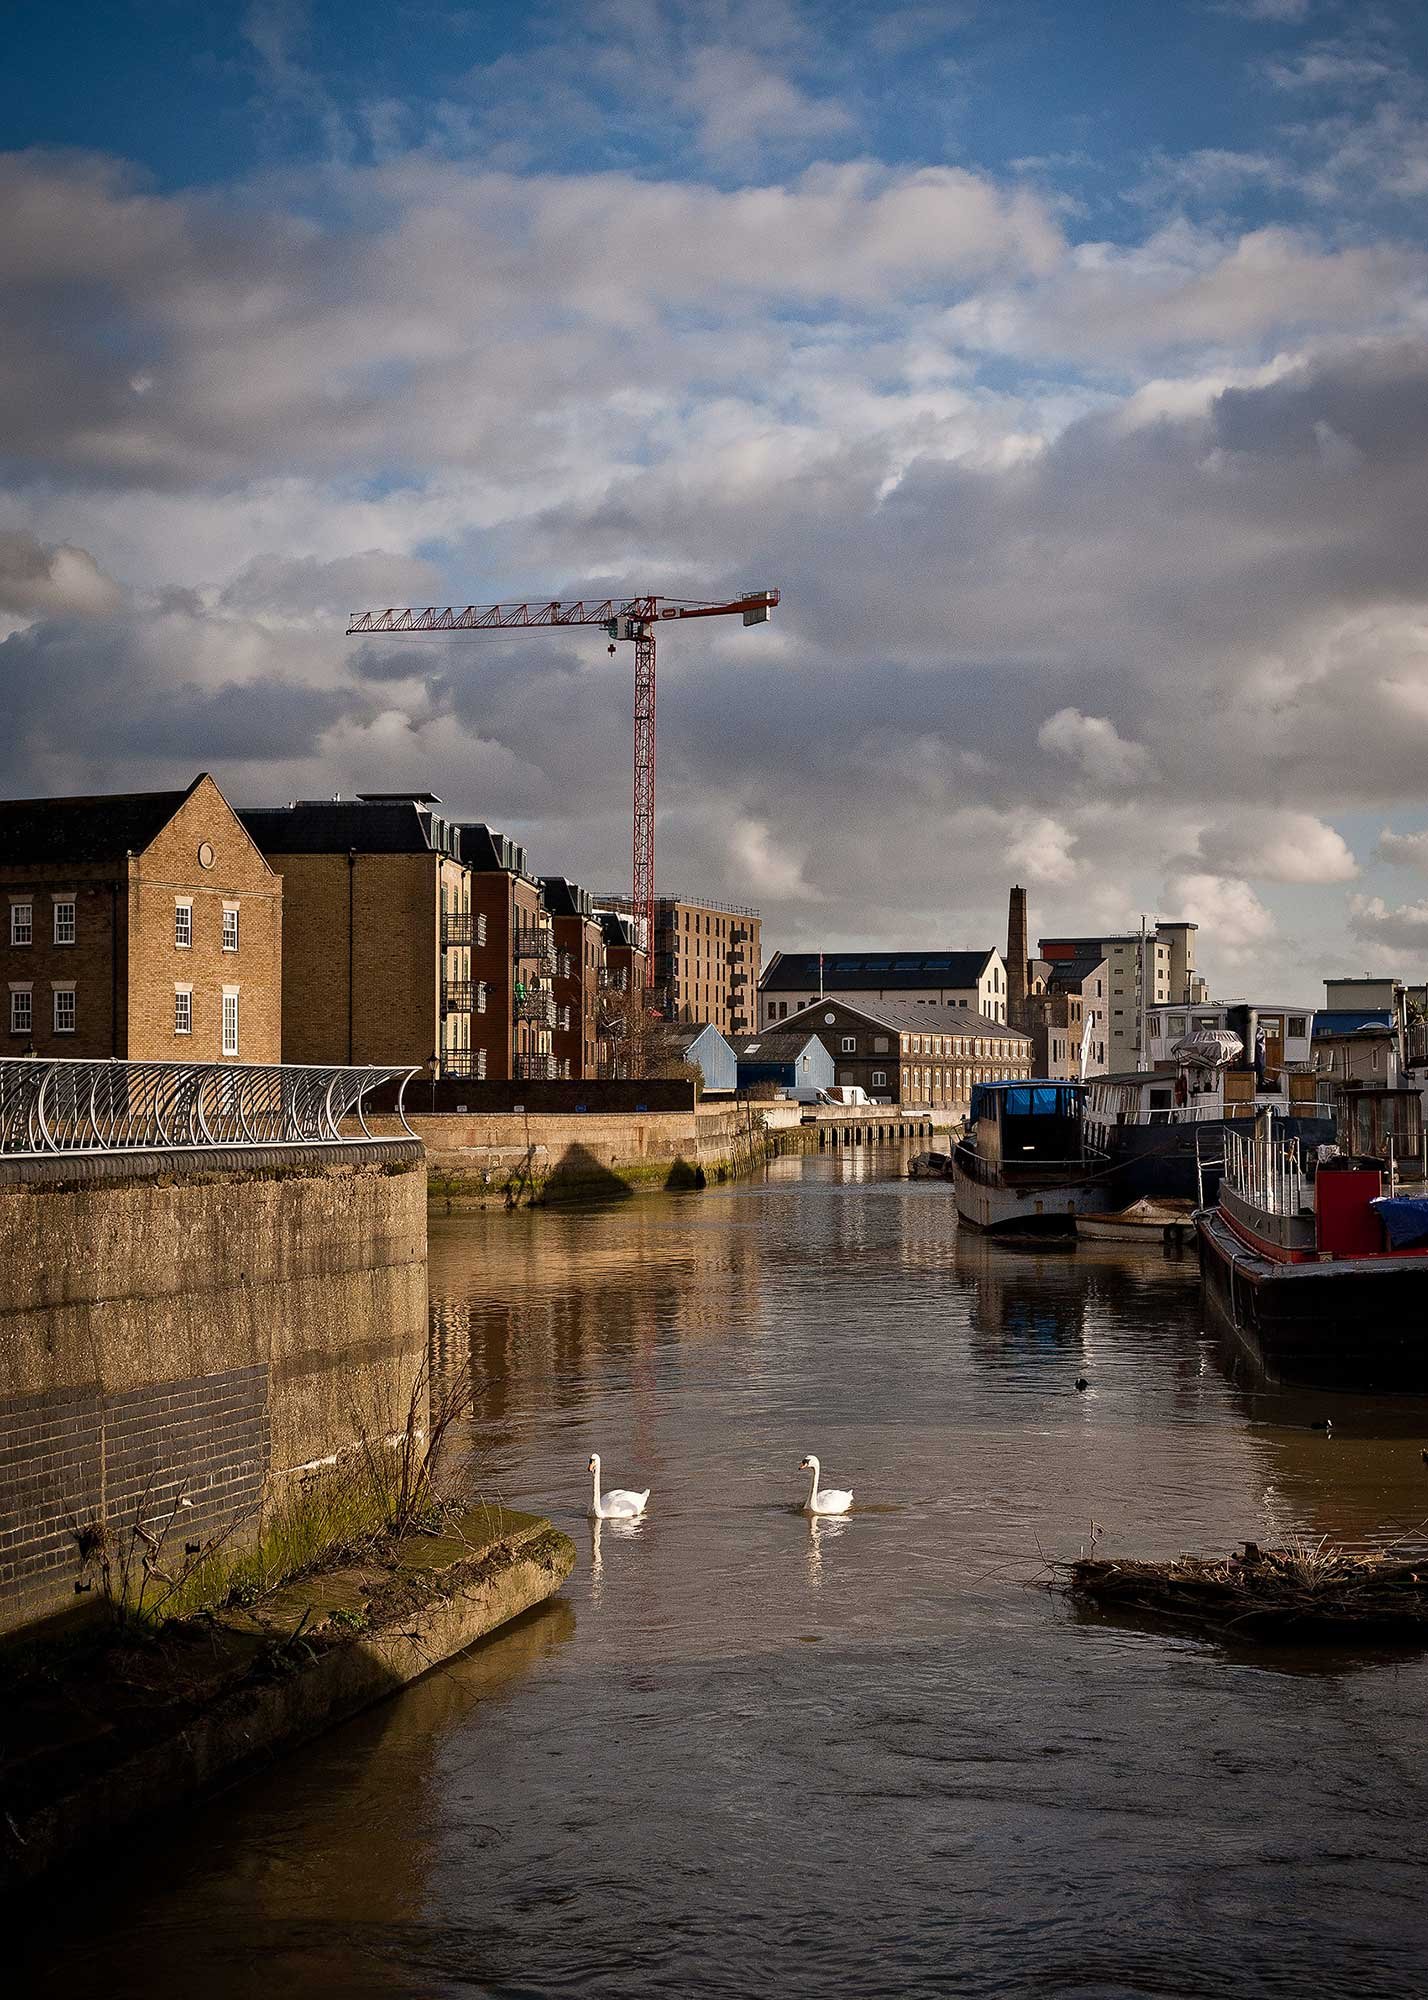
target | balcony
x=614, y=979
x=462, y=927
x=464, y=1062
x=457, y=996
x=537, y=1006
x=537, y=1069
x=532, y=944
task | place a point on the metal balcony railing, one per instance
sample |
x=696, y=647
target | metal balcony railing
x=462, y=927
x=464, y=1062
x=537, y=1069
x=536, y=1006
x=530, y=943
x=614, y=979
x=458, y=996
x=52, y=1107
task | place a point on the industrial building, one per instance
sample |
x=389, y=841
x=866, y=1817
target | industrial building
x=971, y=979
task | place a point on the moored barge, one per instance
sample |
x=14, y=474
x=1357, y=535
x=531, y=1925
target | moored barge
x=1320, y=1262
x=1023, y=1165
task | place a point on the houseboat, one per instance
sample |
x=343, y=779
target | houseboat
x=1318, y=1257
x=1164, y=1130
x=1023, y=1164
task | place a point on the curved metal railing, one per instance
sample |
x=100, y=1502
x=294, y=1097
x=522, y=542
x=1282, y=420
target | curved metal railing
x=51, y=1107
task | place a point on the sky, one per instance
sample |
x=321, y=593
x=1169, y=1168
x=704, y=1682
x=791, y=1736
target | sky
x=1064, y=366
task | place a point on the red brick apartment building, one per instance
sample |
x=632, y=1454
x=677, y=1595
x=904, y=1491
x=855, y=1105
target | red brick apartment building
x=579, y=976
x=144, y=925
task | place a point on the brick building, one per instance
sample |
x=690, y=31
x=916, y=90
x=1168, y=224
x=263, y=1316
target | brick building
x=903, y=1052
x=1158, y=969
x=144, y=926
x=520, y=1021
x=380, y=946
x=579, y=976
x=707, y=959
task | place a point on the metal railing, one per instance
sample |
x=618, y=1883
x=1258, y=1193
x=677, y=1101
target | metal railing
x=469, y=1063
x=1267, y=1171
x=537, y=1006
x=53, y=1107
x=614, y=979
x=531, y=943
x=537, y=1069
x=462, y=927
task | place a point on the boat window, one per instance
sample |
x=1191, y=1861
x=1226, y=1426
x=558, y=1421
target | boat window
x=1298, y=1025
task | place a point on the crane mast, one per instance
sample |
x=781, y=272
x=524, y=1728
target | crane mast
x=631, y=619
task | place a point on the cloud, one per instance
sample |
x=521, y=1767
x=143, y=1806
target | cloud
x=1277, y=847
x=746, y=111
x=36, y=579
x=1227, y=911
x=768, y=872
x=1402, y=850
x=1402, y=928
x=1094, y=742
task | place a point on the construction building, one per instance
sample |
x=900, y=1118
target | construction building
x=144, y=926
x=793, y=980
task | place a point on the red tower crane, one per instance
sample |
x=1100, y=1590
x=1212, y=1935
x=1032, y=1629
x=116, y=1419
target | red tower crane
x=633, y=619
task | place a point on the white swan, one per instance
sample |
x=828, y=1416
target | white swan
x=830, y=1500
x=617, y=1505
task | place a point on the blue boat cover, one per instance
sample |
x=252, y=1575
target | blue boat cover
x=1033, y=1099
x=1405, y=1217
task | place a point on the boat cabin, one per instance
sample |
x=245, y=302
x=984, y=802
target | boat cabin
x=1030, y=1123
x=1383, y=1125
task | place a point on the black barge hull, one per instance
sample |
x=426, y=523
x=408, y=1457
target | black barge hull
x=1356, y=1322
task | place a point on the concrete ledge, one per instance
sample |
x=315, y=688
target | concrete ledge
x=66, y=1170
x=307, y=1657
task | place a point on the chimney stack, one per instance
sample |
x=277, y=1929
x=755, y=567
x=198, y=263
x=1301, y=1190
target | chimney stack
x=1016, y=959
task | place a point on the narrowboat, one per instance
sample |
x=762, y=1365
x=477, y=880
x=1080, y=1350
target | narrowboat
x=1319, y=1259
x=1023, y=1164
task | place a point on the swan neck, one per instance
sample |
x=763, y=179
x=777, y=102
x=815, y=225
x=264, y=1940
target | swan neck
x=595, y=1491
x=812, y=1484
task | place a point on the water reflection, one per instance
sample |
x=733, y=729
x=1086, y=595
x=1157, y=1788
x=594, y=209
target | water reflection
x=1017, y=1800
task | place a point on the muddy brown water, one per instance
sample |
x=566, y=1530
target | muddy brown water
x=744, y=1755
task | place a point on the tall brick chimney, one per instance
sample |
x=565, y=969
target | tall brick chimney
x=1016, y=959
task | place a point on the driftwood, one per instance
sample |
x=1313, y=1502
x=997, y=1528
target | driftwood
x=1305, y=1594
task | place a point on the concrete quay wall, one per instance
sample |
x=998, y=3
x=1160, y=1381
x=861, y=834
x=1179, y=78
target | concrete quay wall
x=506, y=1159
x=203, y=1336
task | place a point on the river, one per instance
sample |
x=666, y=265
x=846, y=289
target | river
x=742, y=1755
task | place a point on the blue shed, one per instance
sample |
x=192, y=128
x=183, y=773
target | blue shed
x=701, y=1043
x=795, y=1061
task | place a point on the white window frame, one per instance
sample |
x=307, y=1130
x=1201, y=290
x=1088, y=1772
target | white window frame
x=880, y=1078
x=22, y=991
x=65, y=903
x=848, y=1045
x=22, y=933
x=63, y=991
x=183, y=923
x=231, y=1021
x=230, y=924
x=183, y=1010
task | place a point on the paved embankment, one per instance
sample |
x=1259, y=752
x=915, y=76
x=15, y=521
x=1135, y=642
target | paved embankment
x=819, y=1128
x=109, y=1736
x=506, y=1158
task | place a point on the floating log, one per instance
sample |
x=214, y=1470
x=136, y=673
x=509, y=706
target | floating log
x=1310, y=1594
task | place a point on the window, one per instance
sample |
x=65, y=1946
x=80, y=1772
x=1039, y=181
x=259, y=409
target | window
x=880, y=1078
x=64, y=921
x=1298, y=1024
x=849, y=1044
x=183, y=926
x=230, y=927
x=1176, y=1024
x=230, y=1020
x=183, y=1010
x=22, y=1015
x=64, y=1008
x=880, y=1045
x=22, y=923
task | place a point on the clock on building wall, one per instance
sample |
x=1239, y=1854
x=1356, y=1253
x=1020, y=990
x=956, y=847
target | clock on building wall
x=205, y=855
x=831, y=1019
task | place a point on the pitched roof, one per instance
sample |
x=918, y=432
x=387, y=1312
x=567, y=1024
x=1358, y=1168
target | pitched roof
x=684, y=1034
x=85, y=829
x=1064, y=973
x=775, y=1045
x=860, y=971
x=908, y=1017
